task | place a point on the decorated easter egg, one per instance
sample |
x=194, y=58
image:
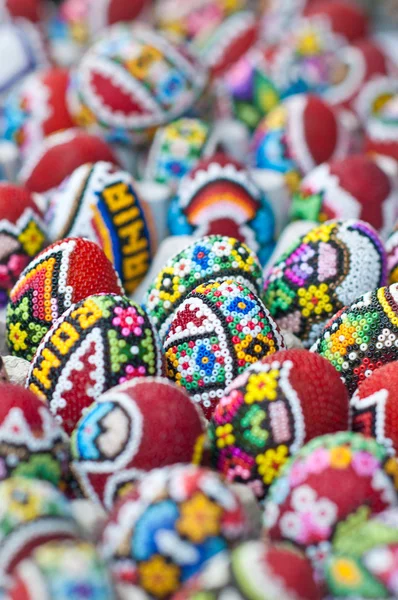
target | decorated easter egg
x=60, y=571
x=347, y=18
x=362, y=337
x=215, y=334
x=214, y=257
x=114, y=442
x=131, y=81
x=374, y=407
x=64, y=273
x=31, y=443
x=37, y=109
x=163, y=532
x=270, y=411
x=176, y=149
x=22, y=234
x=100, y=202
x=218, y=197
x=298, y=135
x=352, y=188
x=32, y=10
x=377, y=106
x=325, y=487
x=323, y=271
x=32, y=513
x=96, y=344
x=23, y=50
x=254, y=570
x=59, y=155
x=364, y=562
x=392, y=256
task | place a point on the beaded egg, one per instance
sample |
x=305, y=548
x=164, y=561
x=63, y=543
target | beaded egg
x=133, y=80
x=62, y=274
x=100, y=202
x=59, y=155
x=352, y=188
x=218, y=197
x=31, y=443
x=32, y=10
x=113, y=443
x=23, y=49
x=392, y=256
x=254, y=570
x=32, y=512
x=37, y=109
x=325, y=487
x=363, y=336
x=298, y=135
x=214, y=257
x=163, y=532
x=346, y=18
x=364, y=563
x=61, y=571
x=323, y=271
x=215, y=334
x=270, y=411
x=97, y=343
x=374, y=408
x=377, y=106
x=22, y=234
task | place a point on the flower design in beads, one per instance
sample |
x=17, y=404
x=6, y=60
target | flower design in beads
x=33, y=512
x=64, y=273
x=219, y=197
x=216, y=333
x=325, y=487
x=100, y=202
x=32, y=444
x=73, y=568
x=270, y=411
x=214, y=257
x=362, y=337
x=98, y=343
x=163, y=532
x=325, y=270
x=113, y=443
x=133, y=80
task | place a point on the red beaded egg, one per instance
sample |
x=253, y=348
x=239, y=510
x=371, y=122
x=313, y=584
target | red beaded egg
x=346, y=18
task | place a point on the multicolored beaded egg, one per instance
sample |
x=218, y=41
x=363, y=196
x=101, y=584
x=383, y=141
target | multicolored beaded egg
x=100, y=202
x=31, y=443
x=37, y=109
x=32, y=512
x=298, y=135
x=218, y=197
x=353, y=188
x=254, y=570
x=22, y=234
x=214, y=257
x=114, y=442
x=97, y=343
x=377, y=106
x=325, y=488
x=164, y=531
x=325, y=270
x=133, y=80
x=60, y=571
x=64, y=273
x=270, y=411
x=59, y=155
x=392, y=256
x=215, y=334
x=363, y=336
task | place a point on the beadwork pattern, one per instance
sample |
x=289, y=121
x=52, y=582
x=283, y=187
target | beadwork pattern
x=161, y=534
x=214, y=257
x=362, y=337
x=64, y=273
x=392, y=257
x=98, y=343
x=113, y=443
x=270, y=411
x=216, y=333
x=100, y=202
x=325, y=487
x=325, y=270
